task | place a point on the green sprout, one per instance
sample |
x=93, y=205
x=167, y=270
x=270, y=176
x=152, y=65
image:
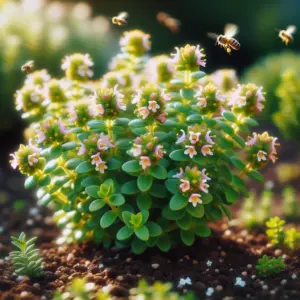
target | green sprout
x=275, y=231
x=26, y=260
x=267, y=266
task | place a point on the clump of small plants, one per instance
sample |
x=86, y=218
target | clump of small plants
x=147, y=155
x=279, y=235
x=27, y=260
x=270, y=266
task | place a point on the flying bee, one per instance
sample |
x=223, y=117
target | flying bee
x=287, y=35
x=227, y=41
x=120, y=19
x=171, y=23
x=28, y=66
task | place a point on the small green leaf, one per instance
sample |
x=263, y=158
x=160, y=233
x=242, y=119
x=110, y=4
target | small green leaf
x=108, y=219
x=113, y=164
x=132, y=166
x=197, y=75
x=30, y=182
x=231, y=195
x=250, y=122
x=126, y=216
x=255, y=175
x=144, y=182
x=158, y=191
x=55, y=151
x=178, y=155
x=226, y=128
x=91, y=180
x=187, y=93
x=45, y=180
x=197, y=212
x=158, y=172
x=136, y=220
x=106, y=188
x=124, y=233
x=171, y=214
x=84, y=167
x=172, y=185
x=138, y=246
x=50, y=166
x=178, y=202
x=229, y=116
x=117, y=199
x=96, y=124
x=96, y=205
x=206, y=198
x=194, y=118
x=73, y=163
x=92, y=191
x=226, y=211
x=239, y=140
x=144, y=201
x=137, y=123
x=202, y=229
x=145, y=216
x=164, y=243
x=154, y=229
x=186, y=222
x=142, y=233
x=130, y=188
x=237, y=163
x=188, y=237
x=69, y=146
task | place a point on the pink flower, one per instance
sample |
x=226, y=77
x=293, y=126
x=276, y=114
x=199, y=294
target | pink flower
x=104, y=142
x=137, y=98
x=62, y=127
x=253, y=140
x=143, y=112
x=185, y=185
x=19, y=100
x=33, y=147
x=200, y=61
x=204, y=176
x=190, y=150
x=119, y=96
x=15, y=162
x=145, y=162
x=260, y=98
x=158, y=151
x=72, y=113
x=202, y=102
x=180, y=174
x=194, y=137
x=273, y=152
x=101, y=166
x=153, y=96
x=195, y=199
x=136, y=150
x=32, y=159
x=203, y=186
x=240, y=101
x=208, y=138
x=97, y=110
x=164, y=95
x=40, y=136
x=206, y=150
x=82, y=149
x=261, y=155
x=96, y=159
x=153, y=105
x=176, y=56
x=182, y=138
x=162, y=117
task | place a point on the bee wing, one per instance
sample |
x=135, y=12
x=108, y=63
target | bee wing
x=212, y=35
x=291, y=29
x=123, y=15
x=230, y=30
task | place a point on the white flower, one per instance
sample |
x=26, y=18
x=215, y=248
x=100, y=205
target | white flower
x=206, y=150
x=96, y=159
x=87, y=60
x=15, y=162
x=136, y=150
x=185, y=281
x=143, y=112
x=164, y=95
x=119, y=96
x=32, y=159
x=158, y=151
x=104, y=142
x=101, y=166
x=66, y=63
x=82, y=149
x=72, y=113
x=145, y=162
x=200, y=62
x=209, y=263
x=195, y=199
x=261, y=155
x=35, y=97
x=153, y=105
x=203, y=186
x=40, y=136
x=208, y=138
x=62, y=127
x=241, y=101
x=185, y=185
x=190, y=150
x=194, y=137
x=182, y=138
x=136, y=99
x=240, y=282
x=19, y=100
x=204, y=176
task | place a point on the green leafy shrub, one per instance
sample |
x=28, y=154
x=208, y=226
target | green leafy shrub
x=135, y=161
x=270, y=266
x=26, y=260
x=44, y=32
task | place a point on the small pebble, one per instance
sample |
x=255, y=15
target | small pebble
x=217, y=270
x=70, y=257
x=24, y=294
x=129, y=259
x=294, y=276
x=265, y=287
x=278, y=252
x=249, y=266
x=283, y=282
x=155, y=266
x=219, y=288
x=195, y=262
x=209, y=292
x=244, y=273
x=209, y=263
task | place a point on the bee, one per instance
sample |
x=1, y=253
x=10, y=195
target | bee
x=171, y=23
x=227, y=41
x=28, y=66
x=287, y=35
x=120, y=19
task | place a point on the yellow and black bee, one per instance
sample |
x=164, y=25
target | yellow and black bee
x=287, y=35
x=120, y=19
x=226, y=40
x=28, y=66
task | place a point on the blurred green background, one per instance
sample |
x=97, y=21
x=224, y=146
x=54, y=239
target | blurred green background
x=257, y=20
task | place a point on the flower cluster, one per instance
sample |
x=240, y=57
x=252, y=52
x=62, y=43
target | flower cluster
x=147, y=155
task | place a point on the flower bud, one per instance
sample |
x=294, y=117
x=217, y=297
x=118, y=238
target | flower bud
x=160, y=69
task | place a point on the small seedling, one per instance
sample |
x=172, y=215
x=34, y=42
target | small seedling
x=26, y=260
x=275, y=231
x=269, y=266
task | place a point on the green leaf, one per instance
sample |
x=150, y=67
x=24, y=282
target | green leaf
x=145, y=216
x=96, y=205
x=142, y=233
x=106, y=188
x=137, y=123
x=117, y=199
x=188, y=237
x=73, y=163
x=158, y=191
x=126, y=216
x=45, y=180
x=92, y=191
x=172, y=185
x=187, y=93
x=178, y=202
x=226, y=211
x=68, y=146
x=171, y=214
x=237, y=163
x=226, y=128
x=96, y=124
x=132, y=166
x=197, y=75
x=55, y=151
x=50, y=166
x=144, y=201
x=206, y=198
x=91, y=180
x=108, y=219
x=239, y=140
x=178, y=155
x=186, y=222
x=84, y=167
x=255, y=175
x=158, y=172
x=197, y=212
x=250, y=122
x=202, y=229
x=30, y=182
x=164, y=243
x=124, y=233
x=229, y=116
x=130, y=188
x=231, y=195
x=138, y=246
x=194, y=118
x=136, y=220
x=113, y=164
x=154, y=229
x=144, y=182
